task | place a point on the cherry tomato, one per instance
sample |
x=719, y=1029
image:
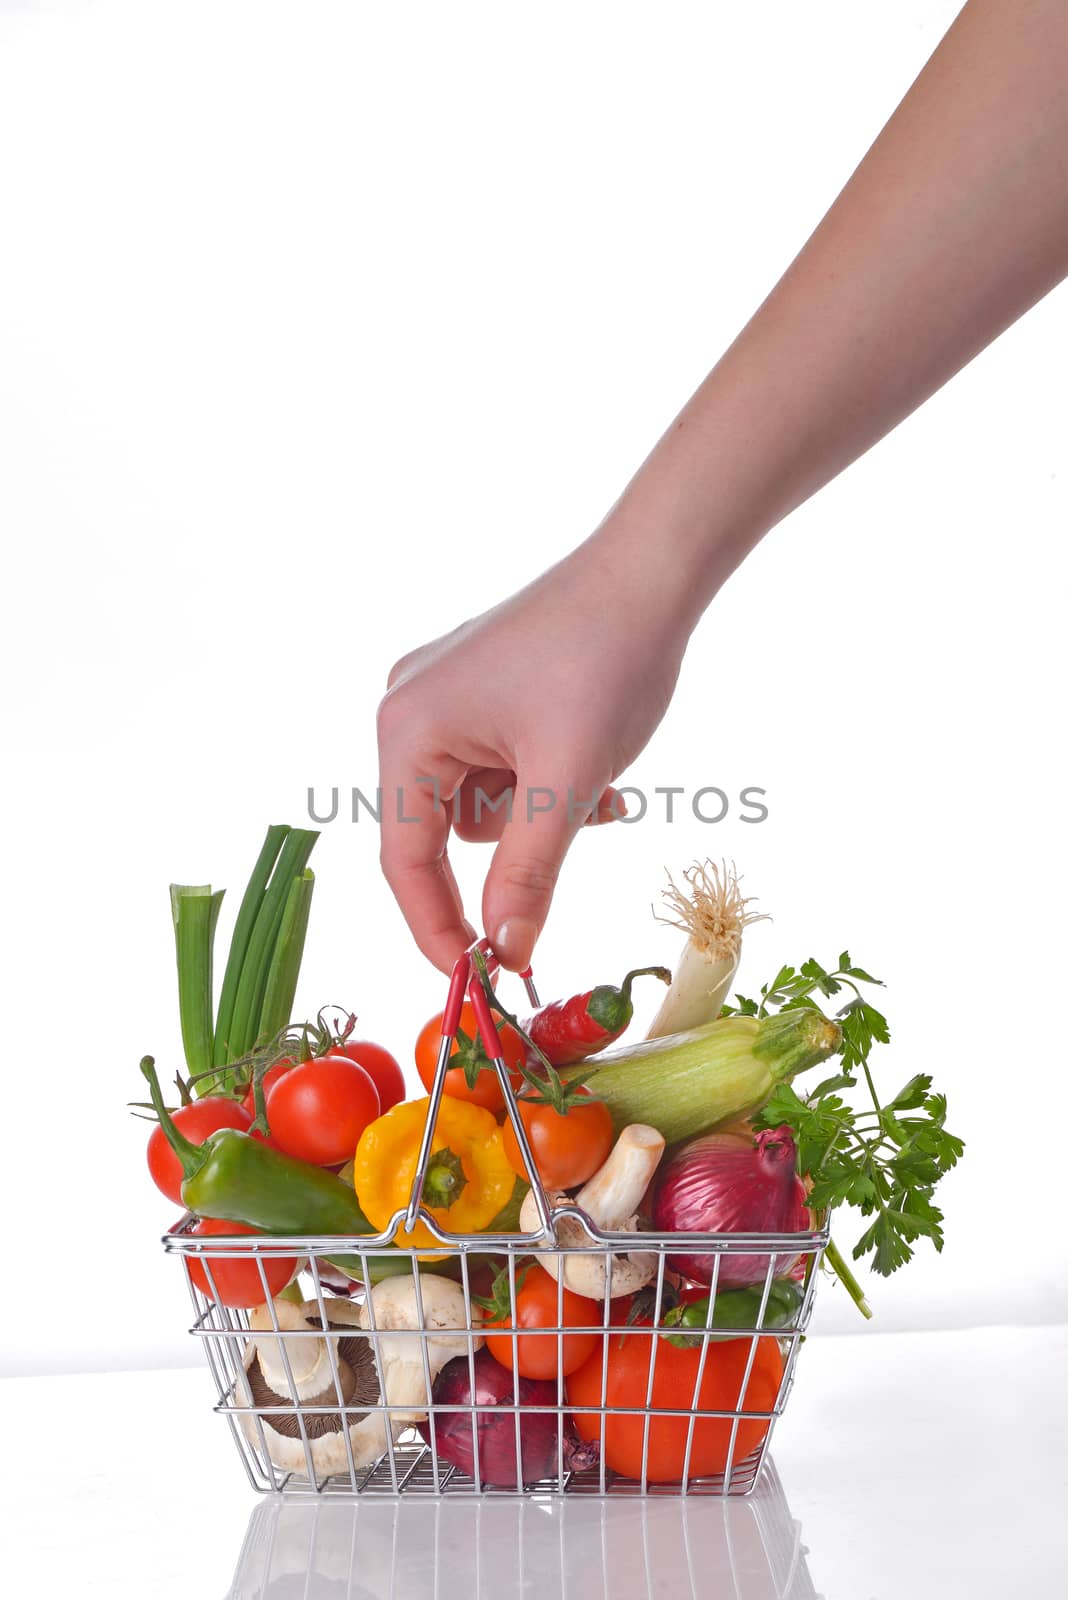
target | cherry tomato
x=537, y=1305
x=382, y=1069
x=567, y=1148
x=270, y=1078
x=318, y=1110
x=237, y=1278
x=196, y=1122
x=674, y=1382
x=487, y=1091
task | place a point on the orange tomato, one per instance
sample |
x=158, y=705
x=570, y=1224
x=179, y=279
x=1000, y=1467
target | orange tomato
x=466, y=1048
x=538, y=1305
x=567, y=1148
x=674, y=1383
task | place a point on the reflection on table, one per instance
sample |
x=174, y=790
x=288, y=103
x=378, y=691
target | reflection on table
x=497, y=1549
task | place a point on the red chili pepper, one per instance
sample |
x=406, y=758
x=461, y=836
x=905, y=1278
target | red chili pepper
x=570, y=1030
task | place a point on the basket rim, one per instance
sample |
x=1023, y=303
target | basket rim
x=179, y=1240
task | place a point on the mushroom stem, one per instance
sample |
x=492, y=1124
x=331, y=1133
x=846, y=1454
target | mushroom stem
x=611, y=1200
x=613, y=1195
x=309, y=1359
x=411, y=1318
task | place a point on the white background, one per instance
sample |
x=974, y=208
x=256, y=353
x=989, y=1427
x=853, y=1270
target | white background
x=321, y=327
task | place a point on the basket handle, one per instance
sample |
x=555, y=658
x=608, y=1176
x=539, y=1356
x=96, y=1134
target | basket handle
x=465, y=980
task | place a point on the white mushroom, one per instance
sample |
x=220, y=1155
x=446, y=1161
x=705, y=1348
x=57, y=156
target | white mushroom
x=309, y=1359
x=611, y=1200
x=400, y=1345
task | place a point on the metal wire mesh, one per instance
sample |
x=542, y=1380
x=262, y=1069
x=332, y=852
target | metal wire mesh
x=382, y=1442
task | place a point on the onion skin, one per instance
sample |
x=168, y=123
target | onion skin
x=453, y=1432
x=732, y=1183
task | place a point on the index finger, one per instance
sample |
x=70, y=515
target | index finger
x=415, y=859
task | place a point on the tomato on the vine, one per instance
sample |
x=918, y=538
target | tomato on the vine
x=270, y=1078
x=197, y=1122
x=675, y=1379
x=568, y=1147
x=237, y=1278
x=467, y=1050
x=318, y=1110
x=539, y=1305
x=382, y=1069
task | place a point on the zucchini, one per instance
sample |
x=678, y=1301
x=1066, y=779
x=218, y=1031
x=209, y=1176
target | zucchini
x=686, y=1083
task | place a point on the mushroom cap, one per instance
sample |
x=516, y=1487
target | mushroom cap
x=447, y=1326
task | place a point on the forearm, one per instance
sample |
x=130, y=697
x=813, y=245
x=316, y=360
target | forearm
x=955, y=224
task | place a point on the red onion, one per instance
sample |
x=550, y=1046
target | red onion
x=732, y=1183
x=496, y=1431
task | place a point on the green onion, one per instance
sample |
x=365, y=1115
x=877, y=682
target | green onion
x=277, y=1008
x=246, y=918
x=252, y=984
x=713, y=911
x=195, y=911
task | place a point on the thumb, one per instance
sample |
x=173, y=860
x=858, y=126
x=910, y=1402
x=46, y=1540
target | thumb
x=519, y=887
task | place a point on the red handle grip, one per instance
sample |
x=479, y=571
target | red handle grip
x=450, y=1017
x=487, y=1028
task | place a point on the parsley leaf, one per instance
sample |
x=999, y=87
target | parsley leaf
x=884, y=1158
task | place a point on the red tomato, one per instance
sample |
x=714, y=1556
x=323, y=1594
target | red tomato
x=382, y=1069
x=567, y=1148
x=237, y=1278
x=196, y=1122
x=674, y=1382
x=487, y=1091
x=270, y=1078
x=537, y=1304
x=318, y=1110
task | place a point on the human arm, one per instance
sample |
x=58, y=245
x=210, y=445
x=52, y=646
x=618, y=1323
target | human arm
x=955, y=223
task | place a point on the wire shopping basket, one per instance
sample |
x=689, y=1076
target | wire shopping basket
x=377, y=1384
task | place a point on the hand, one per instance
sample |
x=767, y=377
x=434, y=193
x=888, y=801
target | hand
x=548, y=696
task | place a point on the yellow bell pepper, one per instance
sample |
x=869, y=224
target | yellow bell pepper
x=469, y=1179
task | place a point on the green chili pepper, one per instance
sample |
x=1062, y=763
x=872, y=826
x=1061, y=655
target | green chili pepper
x=236, y=1178
x=736, y=1308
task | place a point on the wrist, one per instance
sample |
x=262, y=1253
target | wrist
x=676, y=533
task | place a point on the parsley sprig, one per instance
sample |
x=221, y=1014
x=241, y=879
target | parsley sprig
x=885, y=1157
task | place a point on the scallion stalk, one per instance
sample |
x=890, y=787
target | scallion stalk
x=195, y=911
x=239, y=942
x=713, y=911
x=281, y=986
x=252, y=984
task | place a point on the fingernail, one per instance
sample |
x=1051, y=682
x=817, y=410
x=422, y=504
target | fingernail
x=613, y=810
x=514, y=941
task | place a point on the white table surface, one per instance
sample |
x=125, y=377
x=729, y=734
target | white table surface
x=909, y=1467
